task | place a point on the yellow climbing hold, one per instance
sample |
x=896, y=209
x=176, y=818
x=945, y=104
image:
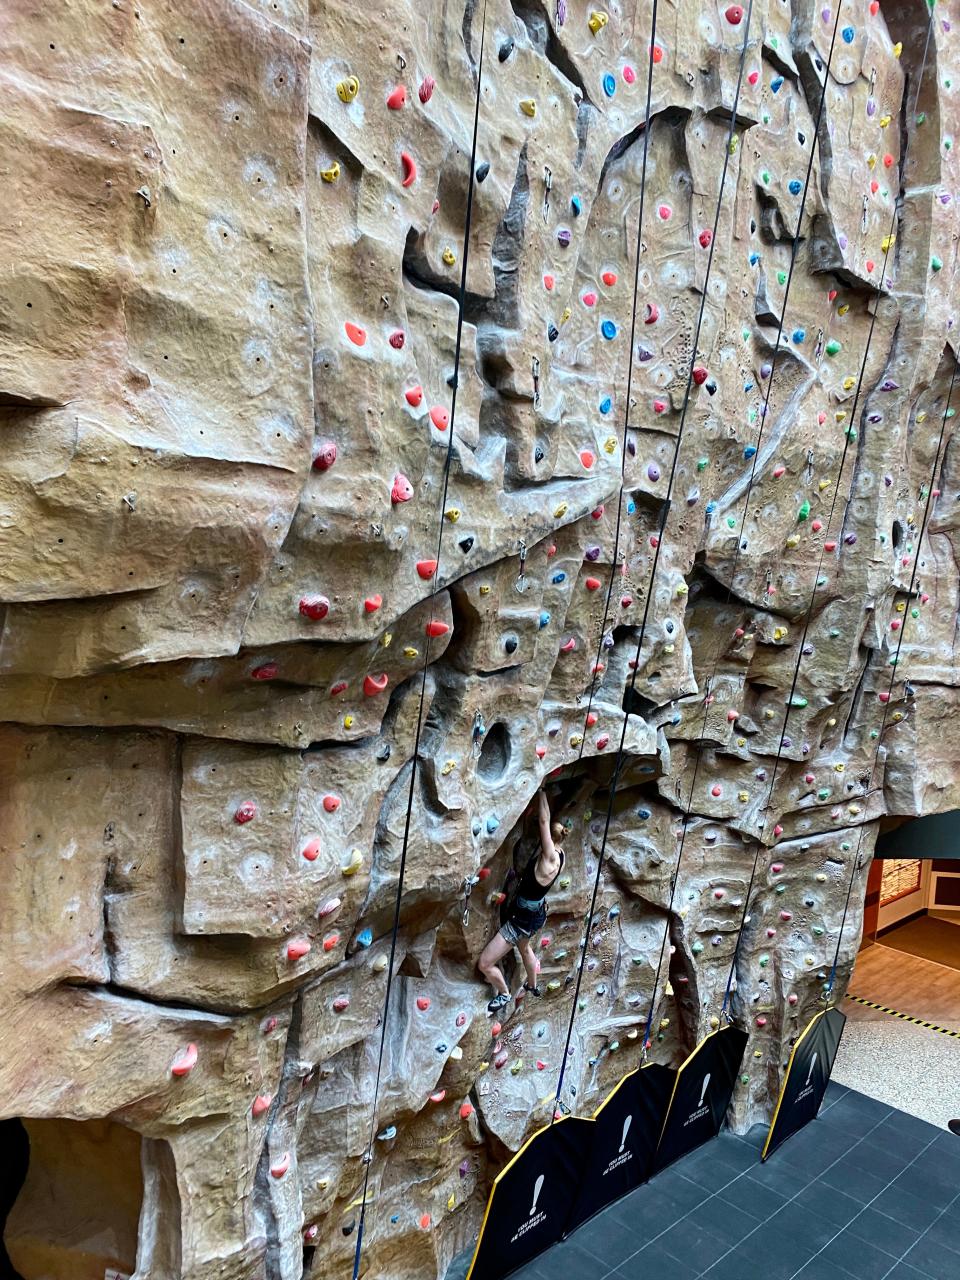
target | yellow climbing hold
x=887, y=243
x=528, y=107
x=386, y=640
x=576, y=739
x=610, y=444
x=838, y=768
x=448, y=767
x=451, y=1200
x=682, y=589
x=840, y=414
x=567, y=313
x=348, y=722
x=453, y=515
x=793, y=540
x=871, y=161
x=898, y=49
x=734, y=144
x=411, y=652
x=714, y=1022
x=779, y=633
x=448, y=256
x=331, y=174
x=884, y=121
x=597, y=21
x=848, y=382
x=743, y=796
x=822, y=485
x=485, y=590
x=348, y=89
x=355, y=863
x=561, y=510
x=843, y=309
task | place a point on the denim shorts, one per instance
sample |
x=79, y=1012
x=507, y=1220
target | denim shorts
x=522, y=926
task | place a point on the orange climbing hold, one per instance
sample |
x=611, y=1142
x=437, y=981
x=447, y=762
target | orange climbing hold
x=311, y=850
x=436, y=628
x=414, y=396
x=356, y=335
x=440, y=417
x=298, y=948
x=426, y=568
x=397, y=98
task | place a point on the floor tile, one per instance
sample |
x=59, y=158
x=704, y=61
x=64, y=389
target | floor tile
x=906, y=1207
x=653, y=1262
x=893, y=1237
x=758, y=1201
x=861, y=1184
x=855, y=1256
x=818, y=1269
x=608, y=1238
x=567, y=1261
x=931, y=1256
x=827, y=1204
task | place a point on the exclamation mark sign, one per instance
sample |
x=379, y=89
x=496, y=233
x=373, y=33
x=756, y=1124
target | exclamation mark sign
x=703, y=1090
x=626, y=1130
x=536, y=1194
x=813, y=1063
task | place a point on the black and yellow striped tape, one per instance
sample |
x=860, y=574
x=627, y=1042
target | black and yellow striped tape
x=905, y=1017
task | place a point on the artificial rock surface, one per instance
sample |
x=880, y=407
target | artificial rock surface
x=227, y=364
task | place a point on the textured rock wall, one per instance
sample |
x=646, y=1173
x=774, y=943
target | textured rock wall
x=227, y=349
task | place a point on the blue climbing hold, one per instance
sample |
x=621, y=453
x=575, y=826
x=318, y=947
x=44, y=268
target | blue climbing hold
x=754, y=259
x=492, y=824
x=609, y=85
x=643, y=814
x=559, y=577
x=609, y=330
x=848, y=33
x=710, y=508
x=795, y=186
x=631, y=507
x=606, y=404
x=799, y=335
x=364, y=937
x=544, y=619
x=748, y=386
x=749, y=450
x=475, y=826
x=576, y=206
x=776, y=84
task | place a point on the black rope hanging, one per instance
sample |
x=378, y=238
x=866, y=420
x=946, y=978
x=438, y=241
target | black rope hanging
x=461, y=298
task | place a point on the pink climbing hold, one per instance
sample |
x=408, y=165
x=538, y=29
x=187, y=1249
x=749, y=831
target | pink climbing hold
x=589, y=299
x=778, y=471
x=733, y=714
x=461, y=1019
x=753, y=77
x=438, y=1096
x=541, y=752
x=830, y=546
x=884, y=696
x=436, y=628
x=716, y=791
x=816, y=525
x=397, y=339
x=761, y=1020
x=426, y=568
x=372, y=604
x=568, y=646
x=786, y=915
x=402, y=490
x=356, y=335
x=311, y=850
x=409, y=167
x=629, y=74
x=778, y=830
x=440, y=417
x=541, y=1065
x=266, y=671
x=261, y=1103
x=423, y=1003
x=331, y=803
x=280, y=1168
x=340, y=1004
x=665, y=212
x=776, y=868
x=659, y=406
x=324, y=455
x=548, y=282
x=397, y=98
x=315, y=608
x=330, y=906
x=297, y=948
x=269, y=1025
x=246, y=812
x=372, y=685
x=870, y=264
x=414, y=397
x=185, y=1061
x=427, y=86
x=310, y=1233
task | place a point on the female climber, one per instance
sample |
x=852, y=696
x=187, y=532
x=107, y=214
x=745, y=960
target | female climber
x=528, y=911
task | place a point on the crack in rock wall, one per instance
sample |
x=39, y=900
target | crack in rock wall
x=233, y=235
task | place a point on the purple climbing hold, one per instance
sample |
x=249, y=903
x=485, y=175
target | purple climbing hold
x=888, y=384
x=563, y=237
x=766, y=369
x=850, y=539
x=653, y=472
x=592, y=553
x=843, y=241
x=888, y=481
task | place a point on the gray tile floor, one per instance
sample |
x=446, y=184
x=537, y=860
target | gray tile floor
x=865, y=1192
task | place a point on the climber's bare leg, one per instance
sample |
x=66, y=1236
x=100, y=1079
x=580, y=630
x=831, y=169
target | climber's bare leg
x=529, y=961
x=488, y=964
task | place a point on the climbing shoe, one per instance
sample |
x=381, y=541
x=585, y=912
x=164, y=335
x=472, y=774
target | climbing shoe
x=534, y=991
x=497, y=1003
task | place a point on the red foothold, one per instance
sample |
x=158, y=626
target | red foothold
x=440, y=417
x=298, y=948
x=657, y=53
x=330, y=942
x=185, y=1061
x=424, y=1221
x=753, y=77
x=266, y=671
x=592, y=584
x=315, y=608
x=629, y=74
x=597, y=512
x=423, y=1003
x=778, y=471
x=436, y=628
x=659, y=406
x=651, y=313
x=402, y=490
x=372, y=685
x=541, y=752
x=699, y=375
x=466, y=1110
x=311, y=850
x=734, y=15
x=414, y=396
x=832, y=295
x=587, y=458
x=870, y=264
x=603, y=741
x=372, y=604
x=665, y=212
x=609, y=278
x=341, y=1003
x=396, y=340
x=830, y=546
x=626, y=602
x=716, y=791
x=427, y=86
x=280, y=1168
x=426, y=568
x=483, y=873
x=324, y=455
x=706, y=238
x=261, y=1103
x=548, y=282
x=397, y=98
x=356, y=335
x=331, y=803
x=592, y=719
x=245, y=813
x=339, y=687
x=409, y=166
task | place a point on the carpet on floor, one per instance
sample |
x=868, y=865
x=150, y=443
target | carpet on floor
x=927, y=937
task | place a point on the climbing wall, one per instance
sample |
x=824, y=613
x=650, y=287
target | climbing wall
x=389, y=405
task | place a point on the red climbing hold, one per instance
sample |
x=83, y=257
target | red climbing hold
x=778, y=830
x=753, y=77
x=341, y=1003
x=331, y=803
x=324, y=455
x=589, y=299
x=716, y=791
x=297, y=948
x=609, y=278
x=396, y=340
x=372, y=685
x=568, y=646
x=484, y=873
x=734, y=15
x=651, y=313
x=541, y=752
x=832, y=295
x=657, y=53
x=245, y=813
x=597, y=512
x=266, y=671
x=587, y=458
x=438, y=1096
x=402, y=490
x=466, y=1110
x=816, y=525
x=592, y=719
x=436, y=628
x=665, y=212
x=733, y=714
x=310, y=1233
x=830, y=546
x=280, y=1168
x=423, y=1003
x=699, y=375
x=887, y=160
x=626, y=602
x=427, y=86
x=592, y=584
x=356, y=335
x=440, y=417
x=706, y=238
x=548, y=282
x=414, y=396
x=372, y=604
x=778, y=471
x=870, y=264
x=261, y=1103
x=340, y=687
x=185, y=1061
x=311, y=850
x=409, y=166
x=424, y=1221
x=330, y=942
x=426, y=568
x=397, y=98
x=315, y=608
x=659, y=406
x=603, y=741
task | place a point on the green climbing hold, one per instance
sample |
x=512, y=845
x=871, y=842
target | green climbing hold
x=832, y=347
x=781, y=277
x=702, y=464
x=765, y=178
x=804, y=512
x=935, y=263
x=798, y=700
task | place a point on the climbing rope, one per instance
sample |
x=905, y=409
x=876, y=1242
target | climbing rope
x=368, y=1154
x=849, y=435
x=885, y=701
x=664, y=512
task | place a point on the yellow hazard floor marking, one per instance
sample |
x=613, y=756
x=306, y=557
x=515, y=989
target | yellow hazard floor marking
x=905, y=1017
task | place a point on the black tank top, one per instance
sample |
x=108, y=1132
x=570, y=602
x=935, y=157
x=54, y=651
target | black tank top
x=529, y=886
